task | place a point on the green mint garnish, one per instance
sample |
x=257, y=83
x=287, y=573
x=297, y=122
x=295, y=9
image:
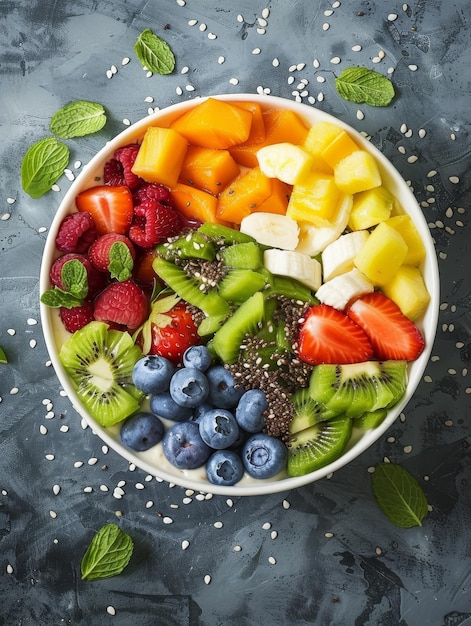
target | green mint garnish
x=108, y=553
x=399, y=495
x=154, y=53
x=75, y=279
x=78, y=119
x=359, y=84
x=43, y=165
x=121, y=263
x=3, y=356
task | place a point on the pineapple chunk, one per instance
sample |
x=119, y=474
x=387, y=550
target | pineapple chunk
x=316, y=197
x=357, y=172
x=341, y=146
x=370, y=208
x=160, y=157
x=415, y=246
x=284, y=161
x=318, y=138
x=382, y=254
x=408, y=291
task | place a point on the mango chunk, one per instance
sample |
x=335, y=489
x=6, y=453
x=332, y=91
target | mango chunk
x=357, y=172
x=160, y=156
x=381, y=255
x=244, y=195
x=408, y=290
x=208, y=169
x=340, y=147
x=316, y=197
x=407, y=229
x=370, y=207
x=195, y=204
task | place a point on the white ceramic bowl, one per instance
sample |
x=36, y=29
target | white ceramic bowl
x=153, y=461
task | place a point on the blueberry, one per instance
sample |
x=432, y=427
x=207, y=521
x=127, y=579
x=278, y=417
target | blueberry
x=163, y=405
x=224, y=467
x=189, y=387
x=199, y=411
x=141, y=431
x=183, y=446
x=219, y=428
x=222, y=390
x=197, y=356
x=152, y=374
x=264, y=456
x=250, y=410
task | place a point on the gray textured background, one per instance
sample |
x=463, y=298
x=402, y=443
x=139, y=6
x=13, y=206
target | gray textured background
x=367, y=572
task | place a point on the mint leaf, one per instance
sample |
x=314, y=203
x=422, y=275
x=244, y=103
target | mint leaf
x=359, y=84
x=399, y=495
x=78, y=119
x=121, y=261
x=154, y=53
x=57, y=297
x=75, y=278
x=43, y=165
x=108, y=553
x=3, y=356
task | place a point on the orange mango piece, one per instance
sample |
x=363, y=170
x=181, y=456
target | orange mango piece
x=257, y=130
x=280, y=126
x=208, y=169
x=277, y=201
x=214, y=124
x=244, y=195
x=160, y=156
x=195, y=204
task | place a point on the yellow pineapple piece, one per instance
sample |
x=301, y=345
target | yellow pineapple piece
x=341, y=146
x=160, y=156
x=318, y=138
x=357, y=172
x=408, y=290
x=284, y=161
x=382, y=254
x=316, y=197
x=415, y=246
x=370, y=208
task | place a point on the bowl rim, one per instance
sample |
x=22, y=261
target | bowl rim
x=431, y=275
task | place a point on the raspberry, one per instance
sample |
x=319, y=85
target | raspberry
x=122, y=303
x=99, y=251
x=77, y=317
x=153, y=223
x=152, y=191
x=113, y=173
x=96, y=280
x=126, y=156
x=76, y=233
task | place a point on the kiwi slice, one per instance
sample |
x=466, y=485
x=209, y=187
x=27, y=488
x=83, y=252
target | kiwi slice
x=307, y=412
x=246, y=256
x=245, y=320
x=317, y=446
x=227, y=234
x=193, y=245
x=99, y=362
x=371, y=419
x=240, y=284
x=290, y=288
x=188, y=289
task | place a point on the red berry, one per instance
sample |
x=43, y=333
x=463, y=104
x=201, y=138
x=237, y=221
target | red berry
x=96, y=280
x=77, y=317
x=152, y=191
x=113, y=173
x=99, y=251
x=126, y=156
x=123, y=303
x=153, y=223
x=76, y=233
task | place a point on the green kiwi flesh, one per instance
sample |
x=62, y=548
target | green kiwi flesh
x=240, y=284
x=194, y=245
x=246, y=256
x=99, y=363
x=370, y=420
x=307, y=412
x=227, y=234
x=290, y=288
x=317, y=446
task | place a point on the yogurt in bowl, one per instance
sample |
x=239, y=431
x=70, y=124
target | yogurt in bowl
x=296, y=189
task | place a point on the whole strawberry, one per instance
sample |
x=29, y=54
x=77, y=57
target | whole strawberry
x=114, y=254
x=122, y=305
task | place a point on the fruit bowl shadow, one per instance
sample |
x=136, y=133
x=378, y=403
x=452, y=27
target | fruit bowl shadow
x=153, y=462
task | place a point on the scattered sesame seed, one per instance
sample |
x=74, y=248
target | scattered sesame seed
x=207, y=579
x=413, y=67
x=218, y=524
x=11, y=331
x=240, y=18
x=392, y=17
x=360, y=115
x=125, y=61
x=316, y=63
x=126, y=122
x=262, y=22
x=56, y=490
x=256, y=51
x=5, y=217
x=53, y=514
x=78, y=464
x=212, y=36
x=286, y=504
x=11, y=200
x=221, y=60
x=110, y=609
x=181, y=3
x=9, y=569
x=187, y=500
x=412, y=159
x=266, y=526
x=272, y=560
x=234, y=81
x=407, y=449
x=422, y=133
x=265, y=12
x=335, y=60
x=454, y=180
x=328, y=535
x=320, y=96
x=43, y=429
x=376, y=59
x=325, y=26
x=274, y=534
x=189, y=87
x=378, y=550
x=237, y=548
x=184, y=70
x=179, y=91
x=300, y=66
x=185, y=544
x=356, y=48
x=104, y=488
x=275, y=62
x=167, y=520
x=371, y=469
x=335, y=5
x=50, y=457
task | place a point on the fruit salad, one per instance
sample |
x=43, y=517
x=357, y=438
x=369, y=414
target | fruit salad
x=239, y=290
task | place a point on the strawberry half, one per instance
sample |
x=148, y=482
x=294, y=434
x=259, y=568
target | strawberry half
x=110, y=207
x=329, y=336
x=391, y=333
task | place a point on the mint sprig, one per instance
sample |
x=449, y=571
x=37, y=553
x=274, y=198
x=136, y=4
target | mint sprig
x=362, y=85
x=3, y=356
x=75, y=280
x=121, y=261
x=154, y=53
x=42, y=166
x=399, y=495
x=108, y=553
x=78, y=119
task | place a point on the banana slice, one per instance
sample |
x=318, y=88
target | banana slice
x=295, y=265
x=342, y=289
x=271, y=229
x=314, y=238
x=284, y=161
x=338, y=257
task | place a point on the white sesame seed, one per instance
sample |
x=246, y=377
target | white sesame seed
x=218, y=524
x=392, y=17
x=56, y=489
x=320, y=96
x=328, y=535
x=167, y=520
x=110, y=609
x=256, y=51
x=9, y=569
x=274, y=534
x=360, y=115
x=240, y=18
x=221, y=60
x=237, y=548
x=454, y=180
x=413, y=67
x=127, y=122
x=189, y=87
x=320, y=79
x=185, y=544
x=401, y=149
x=378, y=550
x=50, y=457
x=328, y=13
x=109, y=74
x=234, y=81
x=104, y=488
x=413, y=158
x=325, y=26
x=55, y=188
x=335, y=5
x=422, y=133
x=192, y=22
x=5, y=217
x=11, y=331
x=286, y=504
x=356, y=48
x=11, y=200
x=78, y=464
x=43, y=429
x=316, y=63
x=266, y=526
x=381, y=54
x=125, y=61
x=149, y=74
x=407, y=449
x=207, y=579
x=114, y=69
x=390, y=70
x=53, y=514
x=335, y=60
x=376, y=59
x=262, y=22
x=300, y=66
x=185, y=70
x=179, y=91
x=212, y=36
x=265, y=13
x=202, y=27
x=187, y=500
x=88, y=489
x=181, y=3
x=272, y=560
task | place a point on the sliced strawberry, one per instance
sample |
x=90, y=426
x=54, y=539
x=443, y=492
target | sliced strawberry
x=110, y=207
x=391, y=333
x=104, y=259
x=170, y=329
x=123, y=304
x=329, y=336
